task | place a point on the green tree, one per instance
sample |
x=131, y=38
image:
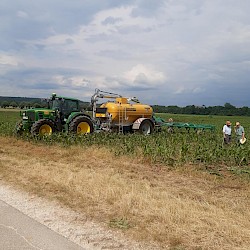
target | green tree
x=13, y=104
x=229, y=109
x=29, y=104
x=22, y=105
x=228, y=105
x=5, y=104
x=37, y=105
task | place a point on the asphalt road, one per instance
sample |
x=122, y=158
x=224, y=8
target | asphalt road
x=20, y=232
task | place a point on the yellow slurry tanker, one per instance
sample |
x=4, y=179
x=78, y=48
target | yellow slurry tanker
x=123, y=114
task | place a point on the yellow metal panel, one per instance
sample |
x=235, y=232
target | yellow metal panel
x=100, y=115
x=121, y=100
x=127, y=112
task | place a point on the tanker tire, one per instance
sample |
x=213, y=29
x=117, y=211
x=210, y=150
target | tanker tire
x=146, y=127
x=42, y=127
x=81, y=125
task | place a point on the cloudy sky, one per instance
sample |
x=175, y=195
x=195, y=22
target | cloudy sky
x=166, y=52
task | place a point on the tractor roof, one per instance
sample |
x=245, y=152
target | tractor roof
x=64, y=97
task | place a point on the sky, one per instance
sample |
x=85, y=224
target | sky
x=165, y=52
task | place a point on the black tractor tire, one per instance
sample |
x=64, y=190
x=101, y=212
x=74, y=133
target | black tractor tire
x=42, y=127
x=146, y=127
x=81, y=125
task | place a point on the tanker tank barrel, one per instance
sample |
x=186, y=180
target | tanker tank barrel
x=121, y=115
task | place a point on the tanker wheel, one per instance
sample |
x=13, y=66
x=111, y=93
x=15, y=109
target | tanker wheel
x=146, y=127
x=42, y=127
x=81, y=125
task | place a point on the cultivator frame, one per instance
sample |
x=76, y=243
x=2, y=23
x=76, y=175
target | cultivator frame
x=199, y=127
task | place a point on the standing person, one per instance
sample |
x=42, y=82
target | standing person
x=227, y=131
x=170, y=128
x=240, y=132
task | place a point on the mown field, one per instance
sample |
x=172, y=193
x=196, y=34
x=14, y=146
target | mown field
x=180, y=191
x=205, y=150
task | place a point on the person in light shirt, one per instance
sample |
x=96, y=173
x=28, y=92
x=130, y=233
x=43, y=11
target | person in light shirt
x=240, y=132
x=227, y=132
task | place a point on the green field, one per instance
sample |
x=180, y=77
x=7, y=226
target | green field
x=8, y=120
x=181, y=148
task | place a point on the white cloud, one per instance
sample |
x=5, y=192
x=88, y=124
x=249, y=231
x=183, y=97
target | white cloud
x=144, y=74
x=8, y=60
x=22, y=14
x=188, y=90
x=139, y=78
x=75, y=81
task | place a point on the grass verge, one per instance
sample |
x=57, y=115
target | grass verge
x=184, y=209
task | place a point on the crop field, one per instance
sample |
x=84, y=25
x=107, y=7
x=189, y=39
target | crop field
x=204, y=149
x=180, y=190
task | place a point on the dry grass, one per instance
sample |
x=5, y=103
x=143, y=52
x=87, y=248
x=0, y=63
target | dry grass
x=176, y=209
x=10, y=109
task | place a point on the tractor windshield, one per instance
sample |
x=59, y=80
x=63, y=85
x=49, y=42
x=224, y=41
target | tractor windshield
x=56, y=104
x=65, y=106
x=71, y=105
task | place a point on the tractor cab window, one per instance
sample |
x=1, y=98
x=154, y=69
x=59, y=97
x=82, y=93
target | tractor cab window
x=72, y=105
x=55, y=104
x=65, y=106
x=69, y=106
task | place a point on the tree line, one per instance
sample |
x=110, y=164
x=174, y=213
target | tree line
x=25, y=103
x=228, y=109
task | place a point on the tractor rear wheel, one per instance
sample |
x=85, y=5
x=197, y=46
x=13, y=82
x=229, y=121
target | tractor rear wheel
x=146, y=127
x=43, y=127
x=81, y=125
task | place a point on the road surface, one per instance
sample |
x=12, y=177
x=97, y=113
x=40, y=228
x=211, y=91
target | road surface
x=20, y=232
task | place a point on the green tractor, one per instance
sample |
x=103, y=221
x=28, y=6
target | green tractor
x=62, y=115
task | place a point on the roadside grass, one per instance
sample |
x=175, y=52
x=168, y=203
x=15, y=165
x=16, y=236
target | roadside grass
x=179, y=209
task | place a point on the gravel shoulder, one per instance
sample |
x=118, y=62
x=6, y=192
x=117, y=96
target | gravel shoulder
x=72, y=225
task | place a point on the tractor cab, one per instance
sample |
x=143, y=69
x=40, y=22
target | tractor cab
x=65, y=106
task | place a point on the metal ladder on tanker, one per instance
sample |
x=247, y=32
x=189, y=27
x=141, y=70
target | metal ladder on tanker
x=121, y=118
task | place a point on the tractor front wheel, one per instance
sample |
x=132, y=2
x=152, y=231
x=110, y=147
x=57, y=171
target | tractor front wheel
x=81, y=125
x=42, y=127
